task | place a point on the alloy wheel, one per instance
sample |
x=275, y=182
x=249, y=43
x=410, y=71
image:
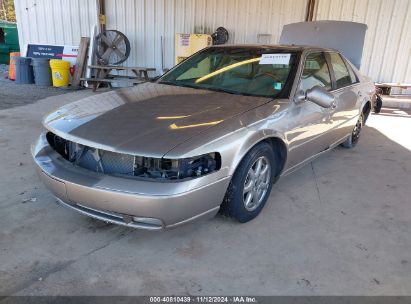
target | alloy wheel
x=256, y=183
x=357, y=129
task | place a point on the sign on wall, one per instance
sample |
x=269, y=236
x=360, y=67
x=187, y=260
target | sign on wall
x=64, y=52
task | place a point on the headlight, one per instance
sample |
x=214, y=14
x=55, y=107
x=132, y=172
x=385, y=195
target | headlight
x=200, y=165
x=176, y=169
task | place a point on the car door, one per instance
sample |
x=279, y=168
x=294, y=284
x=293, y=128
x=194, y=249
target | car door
x=345, y=110
x=309, y=123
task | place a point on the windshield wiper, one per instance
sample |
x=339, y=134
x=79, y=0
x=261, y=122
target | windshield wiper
x=207, y=88
x=177, y=84
x=228, y=91
x=223, y=90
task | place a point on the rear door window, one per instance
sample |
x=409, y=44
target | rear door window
x=353, y=77
x=341, y=73
x=316, y=72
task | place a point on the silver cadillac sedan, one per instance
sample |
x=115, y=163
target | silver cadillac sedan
x=212, y=134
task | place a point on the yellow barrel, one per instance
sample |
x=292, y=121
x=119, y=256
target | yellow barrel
x=60, y=71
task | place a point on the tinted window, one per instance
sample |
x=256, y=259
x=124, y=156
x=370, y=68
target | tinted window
x=342, y=76
x=315, y=72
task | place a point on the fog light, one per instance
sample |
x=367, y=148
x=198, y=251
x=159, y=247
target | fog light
x=148, y=221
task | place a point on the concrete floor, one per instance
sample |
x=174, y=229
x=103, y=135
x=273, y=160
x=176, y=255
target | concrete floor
x=340, y=226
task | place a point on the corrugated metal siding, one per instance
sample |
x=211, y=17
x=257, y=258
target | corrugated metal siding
x=54, y=21
x=243, y=19
x=387, y=52
x=387, y=49
x=144, y=22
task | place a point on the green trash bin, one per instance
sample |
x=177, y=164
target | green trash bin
x=9, y=40
x=4, y=53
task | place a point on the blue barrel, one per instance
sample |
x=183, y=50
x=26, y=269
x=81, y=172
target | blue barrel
x=24, y=70
x=42, y=71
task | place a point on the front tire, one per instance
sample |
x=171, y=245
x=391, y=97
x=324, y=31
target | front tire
x=251, y=184
x=352, y=140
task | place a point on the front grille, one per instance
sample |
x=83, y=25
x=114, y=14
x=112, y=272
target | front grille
x=93, y=159
x=113, y=163
x=106, y=162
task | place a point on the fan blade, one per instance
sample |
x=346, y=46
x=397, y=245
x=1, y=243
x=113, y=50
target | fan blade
x=106, y=54
x=120, y=54
x=106, y=40
x=117, y=40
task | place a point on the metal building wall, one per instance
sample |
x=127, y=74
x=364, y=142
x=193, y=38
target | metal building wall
x=387, y=49
x=145, y=21
x=54, y=21
x=387, y=53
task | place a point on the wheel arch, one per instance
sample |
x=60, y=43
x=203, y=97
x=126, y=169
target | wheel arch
x=275, y=140
x=366, y=109
x=280, y=151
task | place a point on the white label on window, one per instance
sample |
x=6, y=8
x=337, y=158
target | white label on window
x=275, y=59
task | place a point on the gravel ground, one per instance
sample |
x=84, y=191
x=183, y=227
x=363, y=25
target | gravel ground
x=14, y=95
x=4, y=69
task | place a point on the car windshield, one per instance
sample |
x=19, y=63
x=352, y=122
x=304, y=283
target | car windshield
x=262, y=72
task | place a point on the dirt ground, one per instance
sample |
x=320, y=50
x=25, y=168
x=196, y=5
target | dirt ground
x=14, y=95
x=339, y=226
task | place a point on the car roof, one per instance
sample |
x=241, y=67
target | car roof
x=276, y=46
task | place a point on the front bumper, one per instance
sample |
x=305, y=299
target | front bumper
x=135, y=203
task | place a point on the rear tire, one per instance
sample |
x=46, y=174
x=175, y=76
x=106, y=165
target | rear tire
x=352, y=140
x=378, y=104
x=251, y=184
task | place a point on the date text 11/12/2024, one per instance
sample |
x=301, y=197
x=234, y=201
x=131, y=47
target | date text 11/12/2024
x=203, y=299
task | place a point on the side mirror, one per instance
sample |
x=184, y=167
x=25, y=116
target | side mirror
x=300, y=97
x=320, y=96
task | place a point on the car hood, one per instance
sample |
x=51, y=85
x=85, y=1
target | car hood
x=344, y=36
x=149, y=119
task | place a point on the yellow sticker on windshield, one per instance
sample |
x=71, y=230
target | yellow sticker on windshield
x=275, y=59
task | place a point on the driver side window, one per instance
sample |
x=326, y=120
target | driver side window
x=315, y=73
